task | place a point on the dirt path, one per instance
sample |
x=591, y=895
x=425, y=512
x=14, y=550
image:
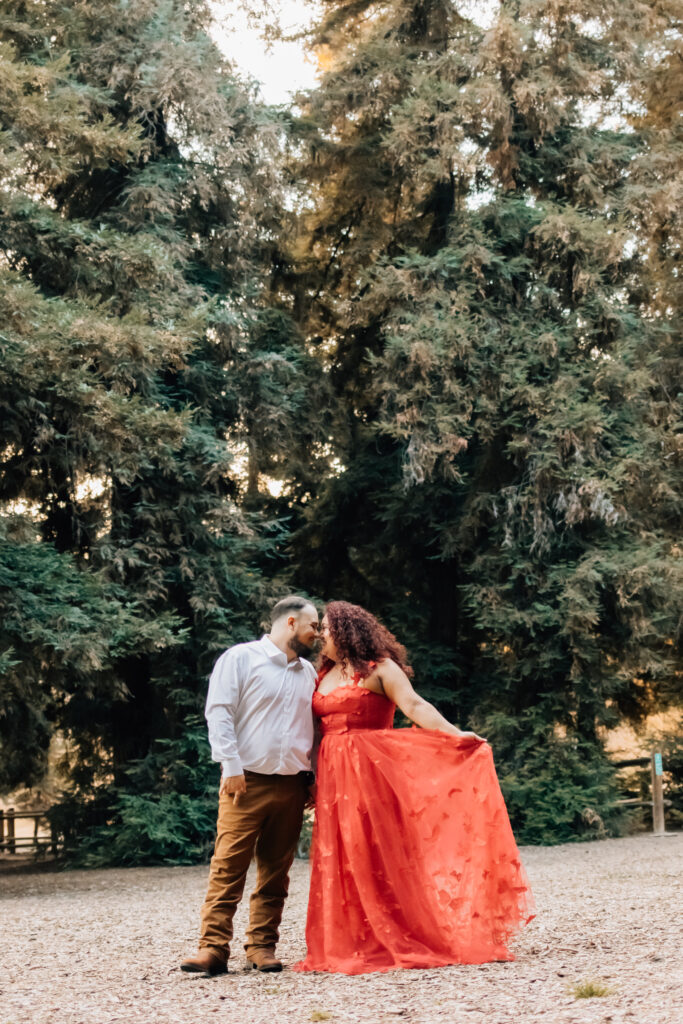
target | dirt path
x=102, y=947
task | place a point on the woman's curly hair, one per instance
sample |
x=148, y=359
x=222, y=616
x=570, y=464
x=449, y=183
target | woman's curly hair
x=360, y=639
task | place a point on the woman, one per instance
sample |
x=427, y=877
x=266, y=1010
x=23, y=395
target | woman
x=414, y=862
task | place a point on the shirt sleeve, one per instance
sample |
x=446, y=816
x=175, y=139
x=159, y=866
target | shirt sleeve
x=317, y=735
x=221, y=706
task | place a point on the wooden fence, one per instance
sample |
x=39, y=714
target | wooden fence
x=657, y=800
x=36, y=843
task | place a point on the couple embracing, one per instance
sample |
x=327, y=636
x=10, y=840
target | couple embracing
x=413, y=860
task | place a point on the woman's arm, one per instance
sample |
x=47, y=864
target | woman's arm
x=398, y=689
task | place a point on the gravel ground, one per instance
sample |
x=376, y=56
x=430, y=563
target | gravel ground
x=103, y=947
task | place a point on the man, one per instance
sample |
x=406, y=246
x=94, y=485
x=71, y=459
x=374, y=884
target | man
x=260, y=722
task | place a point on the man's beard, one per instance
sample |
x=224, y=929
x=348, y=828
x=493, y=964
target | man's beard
x=300, y=648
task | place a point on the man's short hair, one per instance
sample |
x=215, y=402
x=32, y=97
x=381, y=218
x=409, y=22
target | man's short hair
x=292, y=604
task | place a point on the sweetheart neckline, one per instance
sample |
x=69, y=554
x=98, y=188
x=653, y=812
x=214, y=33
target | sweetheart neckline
x=351, y=686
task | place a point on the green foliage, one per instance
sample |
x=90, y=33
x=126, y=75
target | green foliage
x=170, y=828
x=164, y=813
x=557, y=788
x=61, y=632
x=142, y=368
x=499, y=379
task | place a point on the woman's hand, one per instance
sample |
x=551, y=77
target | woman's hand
x=470, y=736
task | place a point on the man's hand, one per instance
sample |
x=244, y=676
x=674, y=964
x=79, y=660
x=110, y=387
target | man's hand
x=310, y=796
x=233, y=785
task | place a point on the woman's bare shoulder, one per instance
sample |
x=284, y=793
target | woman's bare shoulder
x=387, y=670
x=387, y=665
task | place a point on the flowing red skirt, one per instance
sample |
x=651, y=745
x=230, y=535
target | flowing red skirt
x=414, y=862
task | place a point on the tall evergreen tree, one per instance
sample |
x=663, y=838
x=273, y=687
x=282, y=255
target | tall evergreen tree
x=62, y=628
x=472, y=261
x=151, y=385
x=654, y=197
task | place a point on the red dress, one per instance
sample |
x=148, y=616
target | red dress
x=414, y=862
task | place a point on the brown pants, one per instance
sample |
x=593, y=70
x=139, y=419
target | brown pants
x=265, y=821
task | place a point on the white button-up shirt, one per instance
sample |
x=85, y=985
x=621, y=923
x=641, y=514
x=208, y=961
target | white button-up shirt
x=259, y=710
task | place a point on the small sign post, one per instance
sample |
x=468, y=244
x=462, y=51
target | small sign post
x=657, y=795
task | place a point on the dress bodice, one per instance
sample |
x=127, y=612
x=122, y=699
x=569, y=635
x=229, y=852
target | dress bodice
x=352, y=707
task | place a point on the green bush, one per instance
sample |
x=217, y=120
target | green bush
x=165, y=815
x=557, y=789
x=174, y=828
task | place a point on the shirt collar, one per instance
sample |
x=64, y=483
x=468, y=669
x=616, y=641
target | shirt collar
x=274, y=652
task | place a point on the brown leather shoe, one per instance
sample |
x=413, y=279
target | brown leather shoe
x=264, y=960
x=205, y=962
